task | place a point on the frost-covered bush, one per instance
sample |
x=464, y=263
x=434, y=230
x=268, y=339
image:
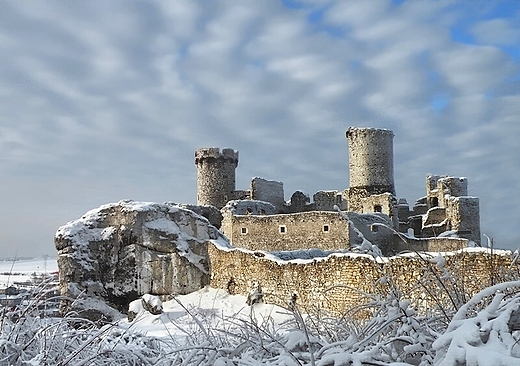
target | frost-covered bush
x=386, y=330
x=485, y=331
x=28, y=337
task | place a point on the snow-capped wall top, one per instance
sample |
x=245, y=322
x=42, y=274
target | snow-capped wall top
x=252, y=207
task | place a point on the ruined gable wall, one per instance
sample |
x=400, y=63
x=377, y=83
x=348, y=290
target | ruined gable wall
x=453, y=186
x=384, y=203
x=268, y=191
x=326, y=200
x=316, y=229
x=463, y=213
x=337, y=284
x=434, y=244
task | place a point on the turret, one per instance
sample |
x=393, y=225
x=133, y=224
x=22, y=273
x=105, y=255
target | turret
x=215, y=176
x=371, y=164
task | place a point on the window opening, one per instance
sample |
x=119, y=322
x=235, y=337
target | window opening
x=378, y=208
x=283, y=229
x=326, y=228
x=243, y=230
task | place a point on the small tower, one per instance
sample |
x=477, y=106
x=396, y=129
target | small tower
x=215, y=176
x=371, y=164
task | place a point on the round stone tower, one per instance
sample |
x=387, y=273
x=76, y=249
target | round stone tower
x=371, y=163
x=215, y=175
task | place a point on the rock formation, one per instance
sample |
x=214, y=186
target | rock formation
x=121, y=251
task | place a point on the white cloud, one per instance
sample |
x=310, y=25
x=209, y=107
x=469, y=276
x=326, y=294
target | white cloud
x=474, y=69
x=496, y=32
x=110, y=99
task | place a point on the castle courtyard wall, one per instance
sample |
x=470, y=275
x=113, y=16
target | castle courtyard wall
x=340, y=283
x=317, y=229
x=433, y=244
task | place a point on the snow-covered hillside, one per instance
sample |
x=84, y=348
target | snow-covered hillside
x=211, y=327
x=23, y=270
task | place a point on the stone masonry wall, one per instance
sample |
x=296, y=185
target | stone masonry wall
x=463, y=214
x=316, y=229
x=340, y=283
x=268, y=191
x=326, y=200
x=371, y=164
x=215, y=176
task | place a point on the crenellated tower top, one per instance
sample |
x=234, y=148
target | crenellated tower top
x=215, y=175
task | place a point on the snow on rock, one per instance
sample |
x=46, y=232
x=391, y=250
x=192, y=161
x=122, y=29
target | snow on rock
x=152, y=304
x=148, y=303
x=123, y=250
x=250, y=207
x=135, y=309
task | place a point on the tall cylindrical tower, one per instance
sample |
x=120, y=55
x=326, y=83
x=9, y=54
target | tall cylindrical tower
x=371, y=162
x=215, y=175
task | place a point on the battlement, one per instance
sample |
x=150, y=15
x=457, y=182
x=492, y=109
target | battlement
x=215, y=153
x=215, y=176
x=368, y=131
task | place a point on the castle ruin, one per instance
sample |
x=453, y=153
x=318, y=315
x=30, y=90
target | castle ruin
x=327, y=252
x=368, y=210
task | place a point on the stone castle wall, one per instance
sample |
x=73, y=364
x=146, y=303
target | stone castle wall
x=434, y=244
x=463, y=213
x=268, y=191
x=316, y=229
x=340, y=283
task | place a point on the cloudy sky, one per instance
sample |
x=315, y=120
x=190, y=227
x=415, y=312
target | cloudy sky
x=108, y=100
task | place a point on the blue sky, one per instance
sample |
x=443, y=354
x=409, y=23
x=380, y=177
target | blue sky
x=103, y=101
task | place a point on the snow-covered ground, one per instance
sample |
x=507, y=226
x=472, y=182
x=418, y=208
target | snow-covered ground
x=210, y=308
x=211, y=327
x=22, y=270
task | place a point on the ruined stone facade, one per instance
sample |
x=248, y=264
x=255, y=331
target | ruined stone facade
x=314, y=250
x=285, y=232
x=445, y=210
x=341, y=283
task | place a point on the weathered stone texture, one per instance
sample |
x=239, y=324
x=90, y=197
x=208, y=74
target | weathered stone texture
x=327, y=200
x=299, y=202
x=440, y=187
x=334, y=284
x=215, y=176
x=463, y=213
x=249, y=207
x=268, y=191
x=317, y=229
x=434, y=244
x=124, y=250
x=340, y=283
x=210, y=212
x=371, y=160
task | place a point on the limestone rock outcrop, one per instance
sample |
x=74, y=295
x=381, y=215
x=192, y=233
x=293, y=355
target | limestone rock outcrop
x=120, y=251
